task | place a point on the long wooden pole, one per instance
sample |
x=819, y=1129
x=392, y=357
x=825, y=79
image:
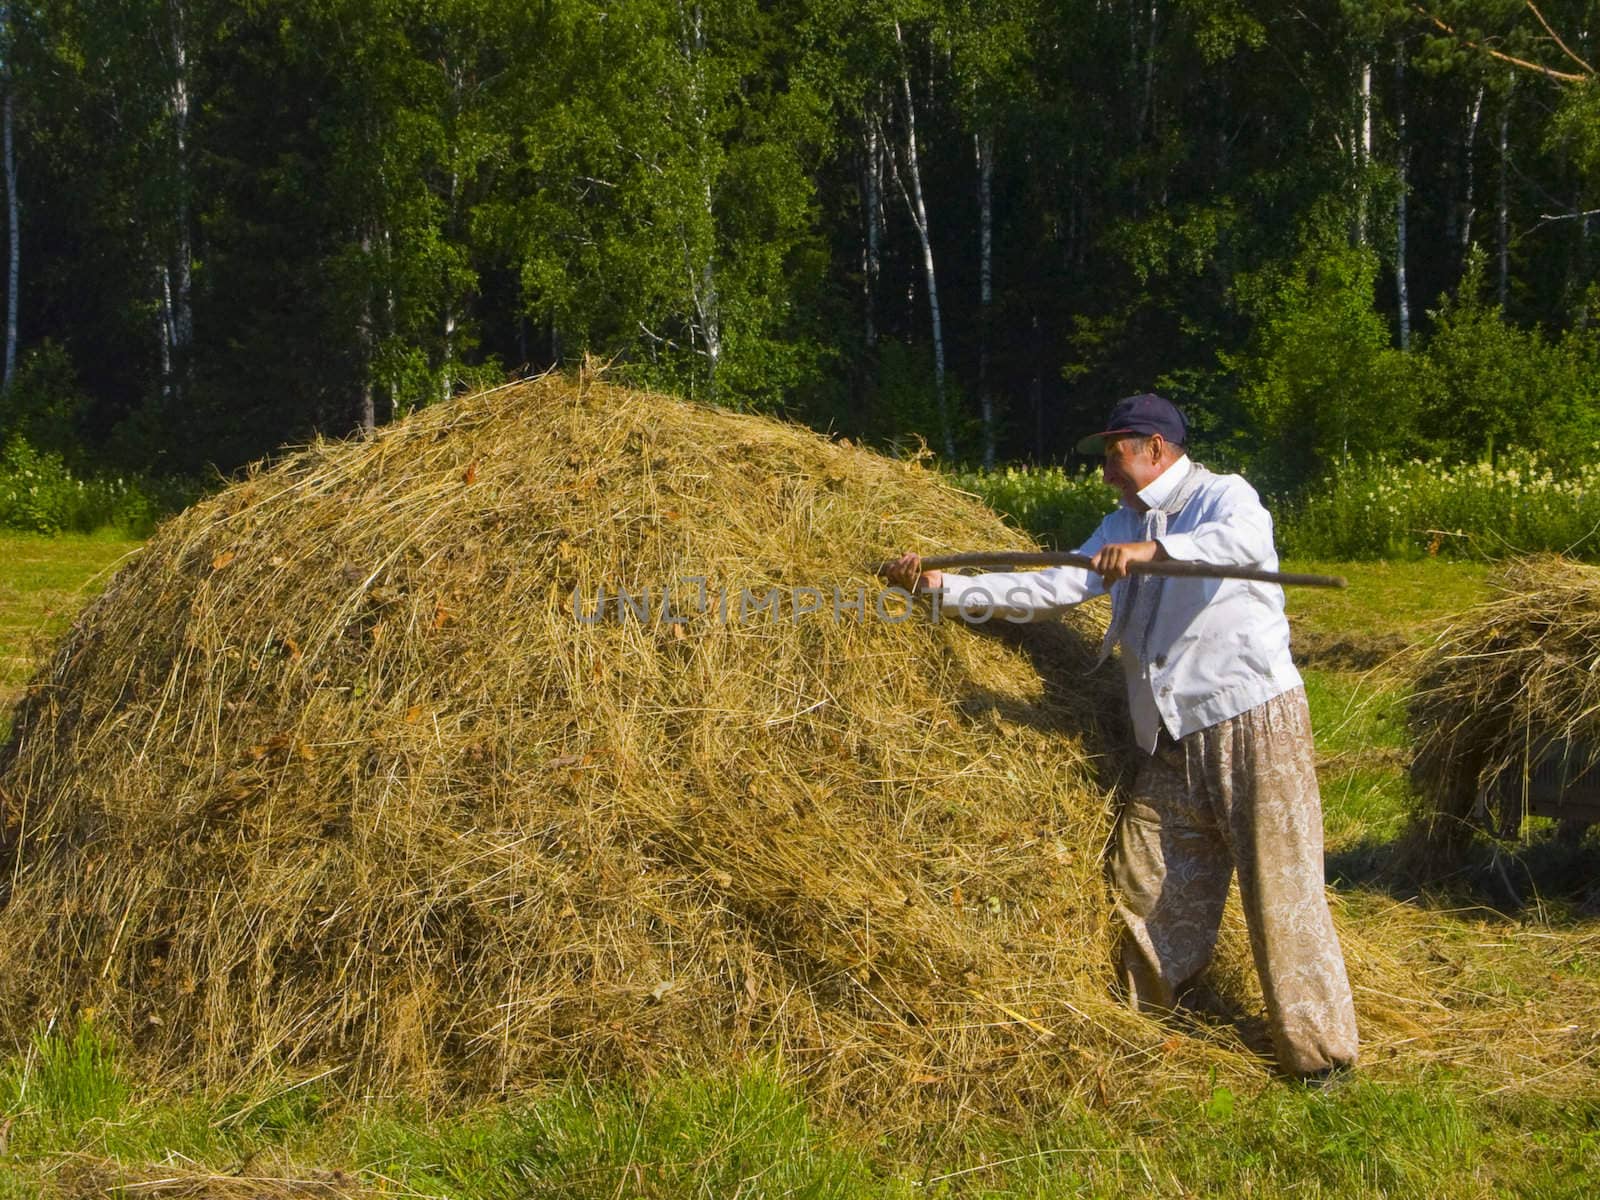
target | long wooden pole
x=1000, y=559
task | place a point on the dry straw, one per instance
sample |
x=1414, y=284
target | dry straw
x=1511, y=684
x=332, y=780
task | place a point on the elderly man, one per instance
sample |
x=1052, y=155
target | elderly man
x=1227, y=779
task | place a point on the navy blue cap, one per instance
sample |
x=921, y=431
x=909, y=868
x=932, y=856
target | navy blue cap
x=1142, y=415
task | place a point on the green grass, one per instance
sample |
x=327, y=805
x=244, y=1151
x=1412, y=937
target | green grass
x=44, y=580
x=1383, y=598
x=747, y=1132
x=83, y=1125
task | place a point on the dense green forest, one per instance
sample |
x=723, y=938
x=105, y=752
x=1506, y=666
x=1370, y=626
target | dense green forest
x=1330, y=229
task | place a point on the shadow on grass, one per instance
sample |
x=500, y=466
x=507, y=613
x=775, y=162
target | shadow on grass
x=1554, y=876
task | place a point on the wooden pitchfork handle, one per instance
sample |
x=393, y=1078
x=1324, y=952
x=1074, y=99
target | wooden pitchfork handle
x=1056, y=558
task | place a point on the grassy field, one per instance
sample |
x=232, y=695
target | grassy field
x=43, y=582
x=74, y=1122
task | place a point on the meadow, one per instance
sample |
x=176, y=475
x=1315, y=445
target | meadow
x=1368, y=509
x=78, y=1122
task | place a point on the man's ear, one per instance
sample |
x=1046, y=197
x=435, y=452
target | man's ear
x=1158, y=447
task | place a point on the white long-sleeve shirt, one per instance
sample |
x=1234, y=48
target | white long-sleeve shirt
x=1216, y=647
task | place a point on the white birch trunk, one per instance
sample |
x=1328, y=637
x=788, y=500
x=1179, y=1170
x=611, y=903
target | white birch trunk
x=183, y=299
x=1402, y=154
x=164, y=327
x=448, y=326
x=1578, y=271
x=702, y=275
x=1468, y=207
x=395, y=409
x=983, y=145
x=13, y=210
x=1582, y=320
x=1363, y=153
x=709, y=304
x=1503, y=201
x=871, y=250
x=367, y=414
x=1147, y=107
x=919, y=218
x=448, y=321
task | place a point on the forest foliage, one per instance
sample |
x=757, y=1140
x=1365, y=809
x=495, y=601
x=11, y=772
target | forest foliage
x=1331, y=230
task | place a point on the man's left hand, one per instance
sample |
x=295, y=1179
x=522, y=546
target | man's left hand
x=1112, y=561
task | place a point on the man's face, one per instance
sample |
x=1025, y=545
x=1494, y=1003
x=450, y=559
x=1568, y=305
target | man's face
x=1132, y=463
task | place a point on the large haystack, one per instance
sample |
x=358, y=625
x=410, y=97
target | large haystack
x=333, y=776
x=1506, y=712
x=332, y=779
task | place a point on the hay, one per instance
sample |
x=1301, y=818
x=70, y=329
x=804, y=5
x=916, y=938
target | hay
x=332, y=776
x=1505, y=690
x=331, y=782
x=85, y=1176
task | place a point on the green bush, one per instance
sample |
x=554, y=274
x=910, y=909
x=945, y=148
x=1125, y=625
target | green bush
x=1057, y=507
x=1320, y=383
x=1485, y=382
x=1369, y=509
x=38, y=494
x=45, y=402
x=1377, y=509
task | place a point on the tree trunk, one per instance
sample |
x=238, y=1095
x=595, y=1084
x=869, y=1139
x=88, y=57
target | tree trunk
x=983, y=144
x=919, y=218
x=1147, y=104
x=1582, y=320
x=395, y=409
x=1468, y=207
x=13, y=209
x=1402, y=155
x=455, y=72
x=183, y=299
x=1036, y=392
x=871, y=249
x=447, y=359
x=367, y=416
x=708, y=304
x=702, y=276
x=1503, y=201
x=1578, y=269
x=448, y=323
x=164, y=327
x=1363, y=155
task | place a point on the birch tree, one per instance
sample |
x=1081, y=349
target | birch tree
x=916, y=204
x=991, y=62
x=13, y=202
x=1402, y=154
x=178, y=292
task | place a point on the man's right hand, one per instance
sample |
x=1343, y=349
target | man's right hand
x=906, y=572
x=1113, y=560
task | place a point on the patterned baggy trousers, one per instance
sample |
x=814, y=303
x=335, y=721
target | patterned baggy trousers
x=1240, y=794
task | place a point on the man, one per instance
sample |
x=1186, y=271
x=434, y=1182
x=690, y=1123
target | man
x=1227, y=777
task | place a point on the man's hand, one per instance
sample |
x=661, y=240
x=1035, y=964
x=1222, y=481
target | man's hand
x=906, y=572
x=1112, y=561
